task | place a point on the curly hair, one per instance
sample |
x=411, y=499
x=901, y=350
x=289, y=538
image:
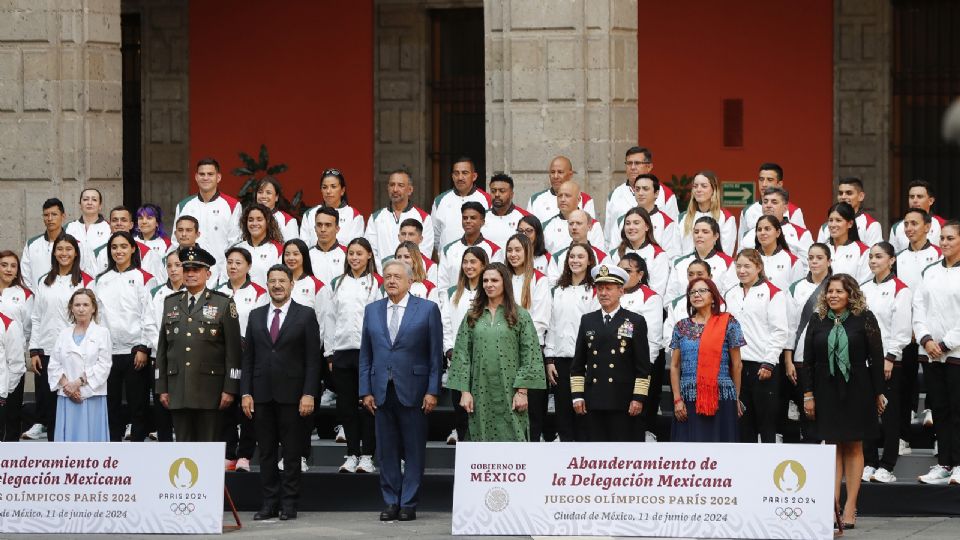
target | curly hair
x=857, y=303
x=273, y=233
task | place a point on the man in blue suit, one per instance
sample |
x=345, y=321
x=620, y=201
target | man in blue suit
x=401, y=350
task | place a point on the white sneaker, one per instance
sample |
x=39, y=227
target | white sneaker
x=955, y=477
x=350, y=465
x=938, y=475
x=913, y=417
x=935, y=449
x=557, y=439
x=280, y=464
x=926, y=418
x=905, y=449
x=366, y=465
x=126, y=434
x=243, y=465
x=883, y=476
x=35, y=433
x=303, y=465
x=867, y=473
x=551, y=404
x=452, y=437
x=315, y=436
x=328, y=399
x=779, y=438
x=341, y=434
x=650, y=437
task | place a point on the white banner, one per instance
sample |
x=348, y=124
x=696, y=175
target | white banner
x=636, y=489
x=111, y=488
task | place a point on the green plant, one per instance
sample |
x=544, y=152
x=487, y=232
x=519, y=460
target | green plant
x=681, y=186
x=255, y=170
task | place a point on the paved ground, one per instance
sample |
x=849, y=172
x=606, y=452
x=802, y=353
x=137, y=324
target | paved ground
x=428, y=526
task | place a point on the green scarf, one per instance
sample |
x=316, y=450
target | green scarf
x=838, y=349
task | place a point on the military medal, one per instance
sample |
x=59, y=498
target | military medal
x=626, y=330
x=210, y=312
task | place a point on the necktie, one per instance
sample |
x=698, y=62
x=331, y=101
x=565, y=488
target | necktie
x=394, y=323
x=275, y=325
x=193, y=302
x=606, y=319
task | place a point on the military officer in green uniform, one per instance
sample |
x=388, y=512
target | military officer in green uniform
x=610, y=374
x=198, y=359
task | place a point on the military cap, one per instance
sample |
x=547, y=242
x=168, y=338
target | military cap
x=607, y=273
x=195, y=257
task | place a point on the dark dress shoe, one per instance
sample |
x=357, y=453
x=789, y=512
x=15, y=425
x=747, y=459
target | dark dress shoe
x=407, y=514
x=265, y=513
x=288, y=514
x=390, y=513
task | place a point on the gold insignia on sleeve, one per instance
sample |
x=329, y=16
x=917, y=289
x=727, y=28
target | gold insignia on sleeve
x=576, y=383
x=233, y=310
x=641, y=386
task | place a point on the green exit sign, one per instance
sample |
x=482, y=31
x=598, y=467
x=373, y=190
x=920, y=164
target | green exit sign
x=737, y=193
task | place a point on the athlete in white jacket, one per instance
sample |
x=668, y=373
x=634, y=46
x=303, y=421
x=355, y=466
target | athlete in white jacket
x=936, y=324
x=126, y=309
x=891, y=301
x=638, y=237
x=383, y=227
x=217, y=213
x=920, y=252
x=447, y=205
x=333, y=186
x=761, y=309
x=780, y=265
x=12, y=366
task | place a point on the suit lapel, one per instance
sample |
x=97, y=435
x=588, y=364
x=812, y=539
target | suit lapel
x=408, y=314
x=382, y=317
x=288, y=320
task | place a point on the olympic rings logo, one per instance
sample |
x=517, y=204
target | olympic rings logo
x=182, y=509
x=789, y=513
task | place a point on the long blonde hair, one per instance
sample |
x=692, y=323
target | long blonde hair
x=693, y=208
x=526, y=268
x=416, y=260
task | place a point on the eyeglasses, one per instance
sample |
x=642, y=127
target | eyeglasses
x=527, y=231
x=698, y=292
x=332, y=172
x=637, y=163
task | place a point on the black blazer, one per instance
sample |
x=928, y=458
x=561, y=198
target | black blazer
x=288, y=369
x=611, y=364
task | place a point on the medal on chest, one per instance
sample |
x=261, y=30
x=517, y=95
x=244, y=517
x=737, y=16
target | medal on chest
x=625, y=331
x=210, y=312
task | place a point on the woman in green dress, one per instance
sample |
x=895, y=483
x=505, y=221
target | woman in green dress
x=496, y=359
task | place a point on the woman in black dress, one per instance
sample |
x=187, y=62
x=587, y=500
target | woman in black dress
x=842, y=379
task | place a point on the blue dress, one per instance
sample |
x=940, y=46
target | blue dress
x=82, y=422
x=722, y=426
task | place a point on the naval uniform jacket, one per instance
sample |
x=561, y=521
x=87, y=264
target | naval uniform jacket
x=611, y=363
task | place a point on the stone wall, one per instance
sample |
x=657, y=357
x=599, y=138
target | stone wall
x=165, y=89
x=561, y=78
x=60, y=101
x=862, y=98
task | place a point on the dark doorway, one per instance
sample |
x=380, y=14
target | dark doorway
x=132, y=156
x=456, y=93
x=926, y=79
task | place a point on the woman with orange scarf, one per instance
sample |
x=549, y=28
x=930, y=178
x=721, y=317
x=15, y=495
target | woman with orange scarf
x=705, y=369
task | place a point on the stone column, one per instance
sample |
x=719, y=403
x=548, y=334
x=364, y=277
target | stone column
x=60, y=101
x=862, y=110
x=561, y=78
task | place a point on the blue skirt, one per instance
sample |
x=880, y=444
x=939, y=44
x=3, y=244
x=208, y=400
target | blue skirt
x=721, y=427
x=82, y=422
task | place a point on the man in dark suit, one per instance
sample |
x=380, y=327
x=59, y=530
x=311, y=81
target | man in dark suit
x=401, y=350
x=610, y=374
x=198, y=358
x=279, y=381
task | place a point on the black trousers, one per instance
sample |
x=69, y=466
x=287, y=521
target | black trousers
x=45, y=399
x=647, y=420
x=197, y=425
x=160, y=419
x=943, y=398
x=461, y=420
x=568, y=424
x=889, y=427
x=242, y=443
x=909, y=395
x=358, y=424
x=761, y=401
x=279, y=424
x=609, y=426
x=793, y=392
x=10, y=426
x=124, y=379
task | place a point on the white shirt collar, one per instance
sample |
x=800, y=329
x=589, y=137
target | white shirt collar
x=402, y=303
x=283, y=309
x=612, y=314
